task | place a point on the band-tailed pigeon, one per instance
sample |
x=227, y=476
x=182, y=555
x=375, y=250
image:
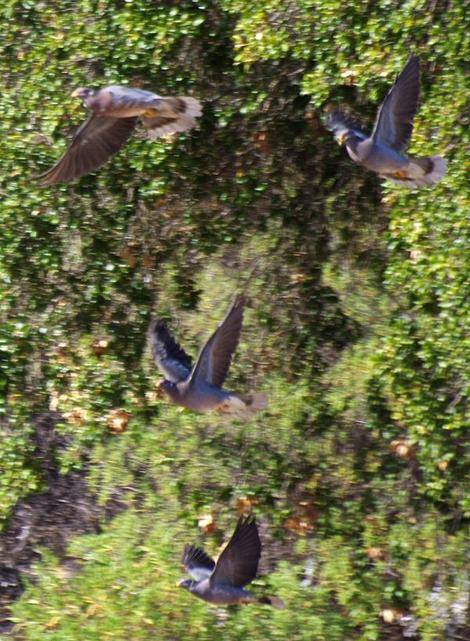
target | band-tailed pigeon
x=383, y=151
x=115, y=111
x=199, y=387
x=223, y=583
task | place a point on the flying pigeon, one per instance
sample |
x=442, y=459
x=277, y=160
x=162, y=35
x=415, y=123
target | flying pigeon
x=199, y=387
x=115, y=111
x=384, y=150
x=223, y=583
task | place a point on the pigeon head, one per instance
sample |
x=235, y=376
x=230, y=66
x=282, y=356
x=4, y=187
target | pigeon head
x=187, y=584
x=169, y=388
x=83, y=93
x=343, y=135
x=342, y=127
x=348, y=138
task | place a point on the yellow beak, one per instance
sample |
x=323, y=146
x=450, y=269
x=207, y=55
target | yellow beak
x=341, y=139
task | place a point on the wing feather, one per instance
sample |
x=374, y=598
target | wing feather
x=169, y=356
x=215, y=357
x=197, y=563
x=98, y=138
x=394, y=122
x=238, y=563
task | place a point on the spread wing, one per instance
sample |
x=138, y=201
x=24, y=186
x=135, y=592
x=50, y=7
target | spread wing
x=215, y=357
x=98, y=138
x=238, y=563
x=170, y=358
x=394, y=123
x=197, y=563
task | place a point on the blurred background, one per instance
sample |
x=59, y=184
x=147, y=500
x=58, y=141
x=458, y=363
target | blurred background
x=357, y=326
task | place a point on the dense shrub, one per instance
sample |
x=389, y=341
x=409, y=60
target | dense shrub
x=357, y=328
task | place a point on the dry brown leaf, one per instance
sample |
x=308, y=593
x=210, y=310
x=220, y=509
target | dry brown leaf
x=92, y=610
x=148, y=261
x=207, y=523
x=298, y=525
x=76, y=417
x=100, y=346
x=391, y=615
x=261, y=142
x=127, y=254
x=376, y=554
x=53, y=623
x=303, y=519
x=298, y=278
x=118, y=420
x=402, y=448
x=245, y=504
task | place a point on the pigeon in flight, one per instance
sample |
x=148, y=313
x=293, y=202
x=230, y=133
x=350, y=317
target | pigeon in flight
x=114, y=114
x=384, y=150
x=223, y=583
x=199, y=387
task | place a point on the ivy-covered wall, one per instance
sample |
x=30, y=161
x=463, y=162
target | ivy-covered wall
x=357, y=328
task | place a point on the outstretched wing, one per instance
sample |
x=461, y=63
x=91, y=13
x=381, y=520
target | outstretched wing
x=98, y=138
x=215, y=357
x=394, y=123
x=238, y=563
x=197, y=563
x=170, y=358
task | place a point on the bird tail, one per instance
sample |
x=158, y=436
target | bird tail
x=275, y=601
x=172, y=115
x=245, y=405
x=422, y=172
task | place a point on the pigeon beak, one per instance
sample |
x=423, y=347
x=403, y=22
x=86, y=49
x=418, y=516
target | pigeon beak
x=341, y=139
x=76, y=93
x=179, y=583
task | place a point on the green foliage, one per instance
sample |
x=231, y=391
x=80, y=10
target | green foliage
x=357, y=328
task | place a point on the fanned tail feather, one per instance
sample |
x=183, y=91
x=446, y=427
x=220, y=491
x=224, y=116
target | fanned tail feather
x=275, y=601
x=254, y=402
x=437, y=170
x=422, y=172
x=193, y=107
x=245, y=405
x=172, y=115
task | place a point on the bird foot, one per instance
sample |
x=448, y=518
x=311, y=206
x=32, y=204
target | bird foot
x=151, y=113
x=223, y=408
x=400, y=173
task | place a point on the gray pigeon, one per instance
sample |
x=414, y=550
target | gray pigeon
x=223, y=583
x=384, y=150
x=115, y=111
x=199, y=387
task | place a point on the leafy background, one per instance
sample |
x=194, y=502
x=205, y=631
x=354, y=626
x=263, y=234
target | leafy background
x=357, y=328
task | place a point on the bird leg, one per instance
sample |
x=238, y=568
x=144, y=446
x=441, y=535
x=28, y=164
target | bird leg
x=223, y=408
x=151, y=113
